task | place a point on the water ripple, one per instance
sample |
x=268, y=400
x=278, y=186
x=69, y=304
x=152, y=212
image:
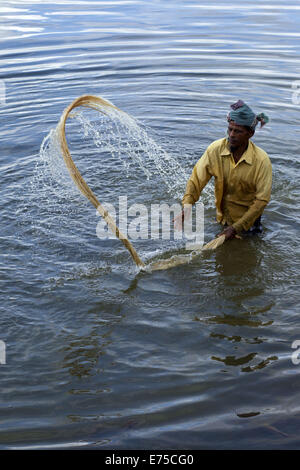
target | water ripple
x=95, y=350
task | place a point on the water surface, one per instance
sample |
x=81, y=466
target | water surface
x=99, y=355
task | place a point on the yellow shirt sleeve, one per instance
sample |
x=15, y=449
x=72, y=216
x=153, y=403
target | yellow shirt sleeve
x=262, y=197
x=200, y=176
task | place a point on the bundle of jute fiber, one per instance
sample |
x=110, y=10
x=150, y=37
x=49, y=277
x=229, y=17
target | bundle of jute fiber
x=99, y=104
x=185, y=259
x=102, y=105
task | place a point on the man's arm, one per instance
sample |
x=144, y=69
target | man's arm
x=199, y=178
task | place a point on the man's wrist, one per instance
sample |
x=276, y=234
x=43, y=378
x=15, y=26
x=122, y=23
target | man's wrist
x=236, y=227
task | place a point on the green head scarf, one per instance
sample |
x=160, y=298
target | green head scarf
x=242, y=115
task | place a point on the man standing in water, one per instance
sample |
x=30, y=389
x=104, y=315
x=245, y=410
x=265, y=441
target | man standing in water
x=242, y=172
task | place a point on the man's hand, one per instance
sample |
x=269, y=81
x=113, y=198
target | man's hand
x=185, y=215
x=229, y=233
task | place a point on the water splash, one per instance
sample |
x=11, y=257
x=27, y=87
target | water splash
x=115, y=136
x=108, y=148
x=131, y=143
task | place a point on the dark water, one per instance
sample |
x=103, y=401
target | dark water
x=98, y=355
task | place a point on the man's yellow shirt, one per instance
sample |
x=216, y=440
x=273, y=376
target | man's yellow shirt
x=242, y=189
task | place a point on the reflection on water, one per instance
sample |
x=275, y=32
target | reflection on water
x=243, y=289
x=239, y=361
x=99, y=355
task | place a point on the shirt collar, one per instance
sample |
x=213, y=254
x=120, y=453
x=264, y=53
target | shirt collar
x=247, y=155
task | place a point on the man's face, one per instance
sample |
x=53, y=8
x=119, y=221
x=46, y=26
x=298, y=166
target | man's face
x=238, y=136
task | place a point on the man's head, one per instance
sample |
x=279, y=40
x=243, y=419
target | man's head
x=238, y=135
x=242, y=123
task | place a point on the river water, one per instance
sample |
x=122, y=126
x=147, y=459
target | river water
x=95, y=354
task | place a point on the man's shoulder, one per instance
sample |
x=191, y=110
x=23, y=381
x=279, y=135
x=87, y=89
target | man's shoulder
x=217, y=147
x=260, y=154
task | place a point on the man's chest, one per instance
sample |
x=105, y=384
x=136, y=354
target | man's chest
x=238, y=178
